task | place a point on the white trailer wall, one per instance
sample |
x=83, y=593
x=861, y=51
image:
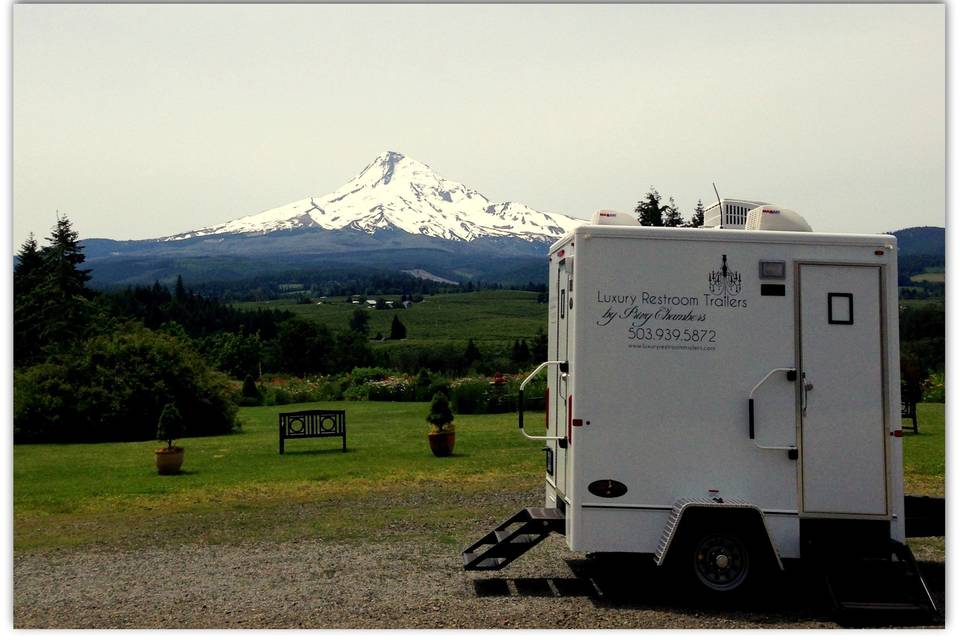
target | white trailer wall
x=670, y=333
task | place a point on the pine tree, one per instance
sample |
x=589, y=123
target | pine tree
x=62, y=259
x=29, y=267
x=52, y=307
x=360, y=322
x=649, y=210
x=28, y=304
x=471, y=354
x=539, y=346
x=397, y=330
x=671, y=215
x=520, y=353
x=180, y=292
x=697, y=219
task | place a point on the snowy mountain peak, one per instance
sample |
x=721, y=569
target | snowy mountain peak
x=398, y=192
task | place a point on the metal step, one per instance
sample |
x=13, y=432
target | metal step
x=512, y=538
x=889, y=583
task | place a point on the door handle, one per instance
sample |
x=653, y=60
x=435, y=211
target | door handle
x=807, y=387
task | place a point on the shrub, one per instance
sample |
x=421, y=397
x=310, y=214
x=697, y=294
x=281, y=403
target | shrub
x=170, y=426
x=357, y=392
x=250, y=395
x=934, y=390
x=362, y=375
x=394, y=388
x=469, y=395
x=440, y=416
x=115, y=387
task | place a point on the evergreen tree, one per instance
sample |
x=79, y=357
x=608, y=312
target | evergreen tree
x=397, y=330
x=360, y=321
x=671, y=215
x=471, y=355
x=697, y=219
x=52, y=308
x=440, y=416
x=180, y=292
x=520, y=353
x=649, y=210
x=539, y=346
x=29, y=266
x=27, y=303
x=63, y=259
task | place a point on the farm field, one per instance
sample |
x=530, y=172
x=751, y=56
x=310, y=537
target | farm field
x=931, y=274
x=256, y=533
x=481, y=315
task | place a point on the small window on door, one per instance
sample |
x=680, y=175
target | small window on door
x=840, y=308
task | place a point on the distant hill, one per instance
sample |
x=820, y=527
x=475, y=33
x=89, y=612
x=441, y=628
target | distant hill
x=921, y=241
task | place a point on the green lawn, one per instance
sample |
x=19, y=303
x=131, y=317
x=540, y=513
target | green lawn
x=482, y=315
x=238, y=487
x=924, y=454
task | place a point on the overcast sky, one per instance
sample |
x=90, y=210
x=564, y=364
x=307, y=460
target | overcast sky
x=139, y=121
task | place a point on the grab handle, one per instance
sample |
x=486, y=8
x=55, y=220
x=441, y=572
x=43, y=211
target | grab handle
x=791, y=375
x=562, y=364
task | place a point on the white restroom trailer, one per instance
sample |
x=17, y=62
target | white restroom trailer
x=717, y=398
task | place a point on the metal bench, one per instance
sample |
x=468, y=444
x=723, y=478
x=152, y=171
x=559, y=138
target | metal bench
x=314, y=423
x=910, y=395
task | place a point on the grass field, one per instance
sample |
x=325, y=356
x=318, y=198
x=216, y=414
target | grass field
x=238, y=487
x=482, y=315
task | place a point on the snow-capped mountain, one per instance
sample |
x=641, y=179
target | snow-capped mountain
x=398, y=192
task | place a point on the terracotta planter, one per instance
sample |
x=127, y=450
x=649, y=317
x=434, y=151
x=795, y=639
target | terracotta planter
x=169, y=461
x=442, y=443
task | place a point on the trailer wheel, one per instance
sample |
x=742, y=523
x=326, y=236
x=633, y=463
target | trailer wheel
x=719, y=558
x=721, y=561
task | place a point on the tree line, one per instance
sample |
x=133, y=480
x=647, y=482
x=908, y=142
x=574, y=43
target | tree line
x=653, y=212
x=96, y=366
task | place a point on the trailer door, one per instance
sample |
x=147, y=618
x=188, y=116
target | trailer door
x=842, y=417
x=559, y=397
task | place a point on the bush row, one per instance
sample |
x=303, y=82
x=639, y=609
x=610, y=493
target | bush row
x=475, y=394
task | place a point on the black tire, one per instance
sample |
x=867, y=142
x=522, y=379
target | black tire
x=720, y=563
x=721, y=560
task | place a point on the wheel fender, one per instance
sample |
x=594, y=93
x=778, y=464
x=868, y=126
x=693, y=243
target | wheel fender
x=689, y=515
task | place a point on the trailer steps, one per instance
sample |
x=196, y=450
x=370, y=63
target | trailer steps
x=512, y=538
x=884, y=582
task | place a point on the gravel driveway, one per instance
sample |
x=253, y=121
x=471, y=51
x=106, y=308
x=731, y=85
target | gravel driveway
x=364, y=585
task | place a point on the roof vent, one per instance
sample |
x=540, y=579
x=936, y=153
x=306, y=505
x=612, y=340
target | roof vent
x=606, y=216
x=769, y=217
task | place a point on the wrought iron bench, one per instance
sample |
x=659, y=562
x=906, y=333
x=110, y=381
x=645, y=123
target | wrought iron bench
x=314, y=423
x=909, y=397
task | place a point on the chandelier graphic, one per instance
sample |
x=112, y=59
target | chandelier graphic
x=725, y=281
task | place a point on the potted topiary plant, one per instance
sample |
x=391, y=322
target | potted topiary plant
x=442, y=431
x=169, y=428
